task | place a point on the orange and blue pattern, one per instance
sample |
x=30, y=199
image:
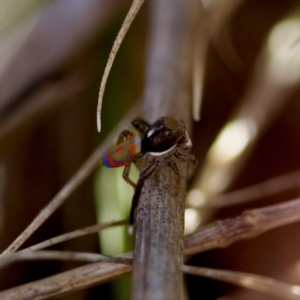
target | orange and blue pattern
x=120, y=154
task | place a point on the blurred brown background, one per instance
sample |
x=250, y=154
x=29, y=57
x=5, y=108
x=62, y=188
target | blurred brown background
x=52, y=56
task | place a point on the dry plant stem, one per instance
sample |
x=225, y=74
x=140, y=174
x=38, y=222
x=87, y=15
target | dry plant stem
x=158, y=237
x=66, y=282
x=258, y=283
x=168, y=69
x=160, y=212
x=216, y=235
x=56, y=286
x=74, y=234
x=62, y=255
x=258, y=191
x=249, y=224
x=83, y=172
x=135, y=7
x=33, y=291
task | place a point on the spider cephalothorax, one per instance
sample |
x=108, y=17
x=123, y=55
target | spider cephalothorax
x=166, y=138
x=164, y=135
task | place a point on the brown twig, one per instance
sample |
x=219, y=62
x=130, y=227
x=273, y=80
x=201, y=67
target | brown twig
x=249, y=224
x=216, y=235
x=66, y=282
x=159, y=217
x=158, y=236
x=266, y=285
x=75, y=234
x=61, y=255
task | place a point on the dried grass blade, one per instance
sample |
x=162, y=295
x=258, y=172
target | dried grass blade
x=249, y=224
x=135, y=7
x=255, y=282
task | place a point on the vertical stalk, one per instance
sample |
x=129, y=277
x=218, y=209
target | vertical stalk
x=160, y=213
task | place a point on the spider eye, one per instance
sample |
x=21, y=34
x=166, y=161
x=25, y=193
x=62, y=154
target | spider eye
x=169, y=134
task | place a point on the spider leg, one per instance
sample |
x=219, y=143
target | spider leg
x=172, y=164
x=143, y=177
x=124, y=135
x=189, y=159
x=141, y=125
x=186, y=157
x=126, y=173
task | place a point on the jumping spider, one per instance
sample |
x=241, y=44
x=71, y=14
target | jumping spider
x=166, y=138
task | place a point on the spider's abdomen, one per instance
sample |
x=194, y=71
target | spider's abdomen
x=120, y=154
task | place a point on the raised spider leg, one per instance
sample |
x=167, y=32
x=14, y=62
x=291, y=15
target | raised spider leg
x=125, y=134
x=141, y=125
x=126, y=173
x=143, y=177
x=132, y=160
x=186, y=157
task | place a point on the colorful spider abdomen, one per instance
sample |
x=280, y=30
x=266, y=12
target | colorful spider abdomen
x=119, y=155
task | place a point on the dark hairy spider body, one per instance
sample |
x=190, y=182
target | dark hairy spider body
x=164, y=139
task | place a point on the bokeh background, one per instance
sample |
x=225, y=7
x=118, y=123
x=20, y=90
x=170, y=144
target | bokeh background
x=52, y=57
